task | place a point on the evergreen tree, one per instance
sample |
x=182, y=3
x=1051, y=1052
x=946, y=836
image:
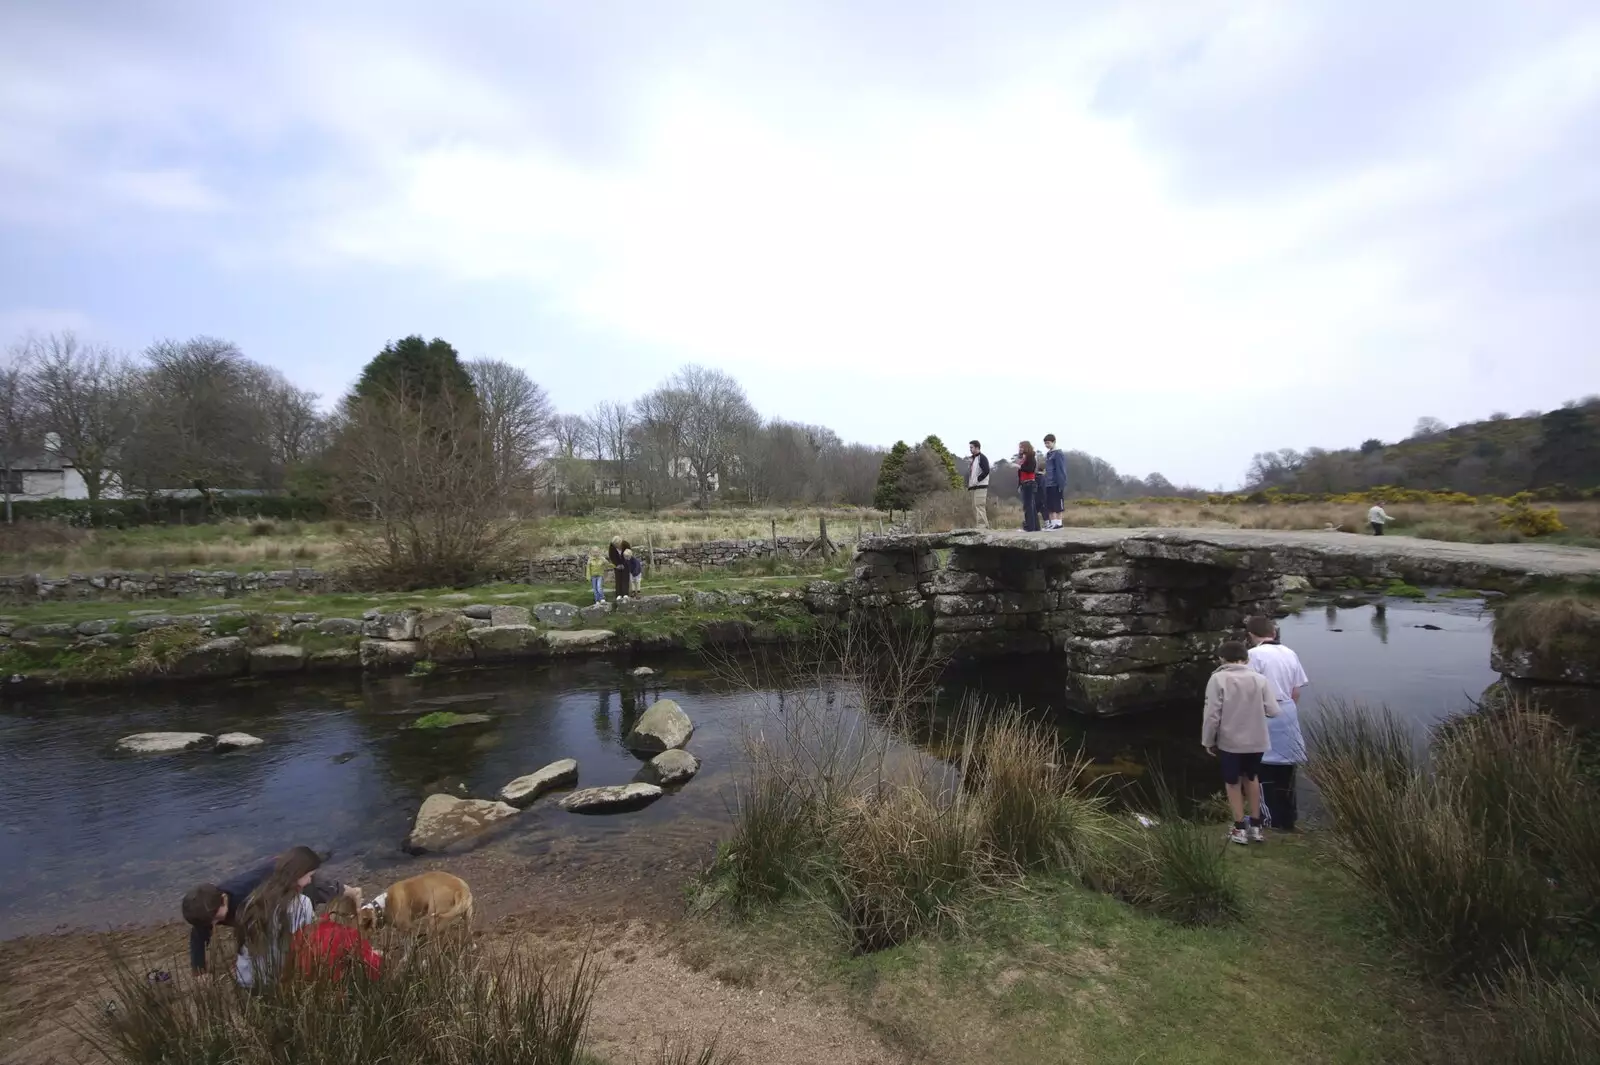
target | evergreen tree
x=890, y=495
x=947, y=460
x=417, y=369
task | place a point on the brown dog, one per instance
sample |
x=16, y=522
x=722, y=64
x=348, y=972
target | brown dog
x=422, y=903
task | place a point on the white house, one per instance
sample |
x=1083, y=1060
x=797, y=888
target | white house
x=45, y=476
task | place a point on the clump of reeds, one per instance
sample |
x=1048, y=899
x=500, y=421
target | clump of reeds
x=1540, y=1020
x=438, y=1003
x=1478, y=858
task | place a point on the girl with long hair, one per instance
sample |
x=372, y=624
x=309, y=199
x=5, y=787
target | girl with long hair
x=1028, y=485
x=272, y=914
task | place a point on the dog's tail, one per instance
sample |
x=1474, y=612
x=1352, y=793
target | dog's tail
x=462, y=908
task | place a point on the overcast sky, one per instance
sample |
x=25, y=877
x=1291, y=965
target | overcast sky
x=1173, y=233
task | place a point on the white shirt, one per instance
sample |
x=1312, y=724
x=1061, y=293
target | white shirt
x=299, y=913
x=1376, y=516
x=1282, y=668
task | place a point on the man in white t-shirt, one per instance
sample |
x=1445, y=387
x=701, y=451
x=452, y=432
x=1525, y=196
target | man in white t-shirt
x=1282, y=667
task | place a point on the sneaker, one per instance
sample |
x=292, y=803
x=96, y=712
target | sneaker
x=1256, y=835
x=1237, y=835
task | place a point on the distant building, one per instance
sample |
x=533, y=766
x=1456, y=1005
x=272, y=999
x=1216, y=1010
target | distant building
x=43, y=476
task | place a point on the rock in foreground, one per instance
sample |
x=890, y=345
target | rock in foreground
x=162, y=742
x=661, y=728
x=615, y=799
x=524, y=790
x=445, y=820
x=237, y=741
x=669, y=769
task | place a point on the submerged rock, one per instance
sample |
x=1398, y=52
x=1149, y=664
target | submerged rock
x=237, y=741
x=669, y=769
x=660, y=728
x=524, y=790
x=163, y=742
x=445, y=820
x=614, y=799
x=643, y=671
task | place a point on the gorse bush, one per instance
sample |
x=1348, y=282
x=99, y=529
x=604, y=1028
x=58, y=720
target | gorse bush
x=437, y=1003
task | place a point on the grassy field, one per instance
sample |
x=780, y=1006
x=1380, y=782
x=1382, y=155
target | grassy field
x=245, y=545
x=1058, y=973
x=54, y=549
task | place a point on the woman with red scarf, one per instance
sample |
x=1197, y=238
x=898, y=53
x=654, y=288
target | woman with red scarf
x=1028, y=485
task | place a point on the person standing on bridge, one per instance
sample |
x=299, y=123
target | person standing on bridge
x=1055, y=482
x=1377, y=518
x=978, y=484
x=1028, y=485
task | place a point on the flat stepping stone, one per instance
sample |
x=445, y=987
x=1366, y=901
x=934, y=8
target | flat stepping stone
x=163, y=742
x=614, y=799
x=524, y=790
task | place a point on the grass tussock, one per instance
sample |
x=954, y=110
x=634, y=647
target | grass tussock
x=1479, y=856
x=439, y=1003
x=1539, y=1020
x=1542, y=622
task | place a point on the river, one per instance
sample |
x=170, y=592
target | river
x=81, y=824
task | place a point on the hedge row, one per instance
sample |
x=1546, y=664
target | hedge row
x=126, y=513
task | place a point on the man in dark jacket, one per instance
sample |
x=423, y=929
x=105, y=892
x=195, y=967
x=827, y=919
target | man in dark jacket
x=978, y=484
x=210, y=905
x=1055, y=482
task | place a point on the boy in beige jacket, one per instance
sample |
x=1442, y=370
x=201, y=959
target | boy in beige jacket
x=1238, y=703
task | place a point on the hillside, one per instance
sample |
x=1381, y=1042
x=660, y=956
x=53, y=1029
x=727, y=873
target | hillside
x=1556, y=453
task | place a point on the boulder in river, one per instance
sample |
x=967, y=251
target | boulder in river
x=660, y=728
x=237, y=741
x=669, y=769
x=445, y=820
x=524, y=790
x=643, y=671
x=614, y=799
x=163, y=742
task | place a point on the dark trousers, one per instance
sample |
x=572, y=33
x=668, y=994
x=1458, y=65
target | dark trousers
x=1377, y=528
x=623, y=578
x=1277, y=791
x=1030, y=505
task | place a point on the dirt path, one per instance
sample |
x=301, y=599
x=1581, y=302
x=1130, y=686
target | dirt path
x=647, y=992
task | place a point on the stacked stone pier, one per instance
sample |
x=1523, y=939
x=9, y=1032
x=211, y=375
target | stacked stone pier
x=1135, y=616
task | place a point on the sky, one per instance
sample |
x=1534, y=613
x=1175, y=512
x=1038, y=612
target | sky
x=1173, y=234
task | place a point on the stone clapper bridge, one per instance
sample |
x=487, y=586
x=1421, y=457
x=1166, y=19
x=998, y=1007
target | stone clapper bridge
x=1137, y=614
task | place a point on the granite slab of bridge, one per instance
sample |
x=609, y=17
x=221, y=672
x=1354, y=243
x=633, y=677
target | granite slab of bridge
x=1137, y=614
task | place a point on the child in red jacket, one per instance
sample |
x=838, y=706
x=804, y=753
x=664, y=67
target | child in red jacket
x=325, y=947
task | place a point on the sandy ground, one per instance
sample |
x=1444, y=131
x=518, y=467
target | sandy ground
x=632, y=927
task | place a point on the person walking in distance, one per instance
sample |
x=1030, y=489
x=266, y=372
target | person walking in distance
x=1282, y=667
x=1378, y=518
x=1055, y=482
x=1028, y=485
x=978, y=484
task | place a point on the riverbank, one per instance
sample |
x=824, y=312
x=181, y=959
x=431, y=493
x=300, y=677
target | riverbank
x=1050, y=973
x=79, y=645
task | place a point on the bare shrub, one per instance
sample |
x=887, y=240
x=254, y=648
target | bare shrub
x=425, y=474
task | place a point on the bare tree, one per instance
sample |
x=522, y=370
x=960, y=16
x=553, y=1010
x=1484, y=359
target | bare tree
x=717, y=412
x=573, y=435
x=296, y=431
x=200, y=424
x=612, y=425
x=660, y=418
x=423, y=471
x=87, y=396
x=19, y=421
x=517, y=416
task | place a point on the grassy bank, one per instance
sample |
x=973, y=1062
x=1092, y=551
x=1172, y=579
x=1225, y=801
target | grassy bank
x=1052, y=971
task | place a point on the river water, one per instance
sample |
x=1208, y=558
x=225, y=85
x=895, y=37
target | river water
x=81, y=824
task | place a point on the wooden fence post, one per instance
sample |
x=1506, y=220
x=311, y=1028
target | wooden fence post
x=774, y=540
